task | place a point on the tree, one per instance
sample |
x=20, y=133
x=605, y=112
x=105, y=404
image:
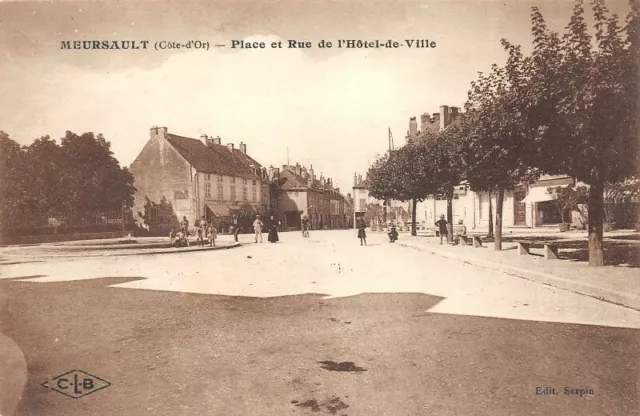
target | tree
x=13, y=183
x=443, y=152
x=565, y=198
x=584, y=105
x=399, y=175
x=98, y=182
x=497, y=136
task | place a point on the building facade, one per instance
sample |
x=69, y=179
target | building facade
x=197, y=178
x=524, y=206
x=300, y=193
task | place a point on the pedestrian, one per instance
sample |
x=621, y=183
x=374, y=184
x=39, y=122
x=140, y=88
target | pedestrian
x=184, y=225
x=442, y=227
x=181, y=239
x=257, y=228
x=362, y=234
x=461, y=230
x=212, y=234
x=172, y=236
x=236, y=228
x=200, y=233
x=273, y=230
x=305, y=226
x=393, y=235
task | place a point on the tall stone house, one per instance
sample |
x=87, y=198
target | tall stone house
x=198, y=178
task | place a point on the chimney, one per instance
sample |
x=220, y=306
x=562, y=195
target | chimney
x=424, y=121
x=454, y=113
x=243, y=148
x=444, y=117
x=205, y=139
x=230, y=147
x=217, y=140
x=413, y=128
x=355, y=179
x=160, y=132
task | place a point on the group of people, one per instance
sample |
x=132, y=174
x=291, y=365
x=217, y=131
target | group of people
x=458, y=232
x=206, y=232
x=273, y=230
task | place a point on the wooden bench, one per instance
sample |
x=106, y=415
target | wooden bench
x=550, y=249
x=471, y=240
x=426, y=233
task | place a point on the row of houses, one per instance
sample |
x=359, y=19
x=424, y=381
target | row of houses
x=529, y=205
x=208, y=179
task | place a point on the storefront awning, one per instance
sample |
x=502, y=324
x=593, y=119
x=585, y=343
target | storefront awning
x=538, y=194
x=221, y=210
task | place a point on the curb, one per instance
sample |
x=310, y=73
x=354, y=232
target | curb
x=129, y=252
x=605, y=295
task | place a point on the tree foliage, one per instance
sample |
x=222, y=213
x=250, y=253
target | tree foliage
x=584, y=104
x=49, y=179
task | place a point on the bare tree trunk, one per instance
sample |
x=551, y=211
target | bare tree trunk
x=414, y=204
x=490, y=235
x=498, y=231
x=450, y=216
x=595, y=207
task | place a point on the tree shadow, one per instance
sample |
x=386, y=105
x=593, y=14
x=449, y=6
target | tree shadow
x=615, y=254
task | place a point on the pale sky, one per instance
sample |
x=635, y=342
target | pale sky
x=330, y=107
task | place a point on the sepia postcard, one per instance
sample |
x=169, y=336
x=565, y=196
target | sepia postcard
x=346, y=207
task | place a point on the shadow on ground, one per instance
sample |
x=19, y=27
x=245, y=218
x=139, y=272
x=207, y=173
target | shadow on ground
x=191, y=354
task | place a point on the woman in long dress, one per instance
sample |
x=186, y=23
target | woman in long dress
x=273, y=230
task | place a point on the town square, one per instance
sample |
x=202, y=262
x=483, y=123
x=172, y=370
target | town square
x=395, y=208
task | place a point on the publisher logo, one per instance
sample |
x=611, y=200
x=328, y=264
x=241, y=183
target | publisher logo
x=76, y=384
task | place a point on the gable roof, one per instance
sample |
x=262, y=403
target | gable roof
x=214, y=158
x=294, y=181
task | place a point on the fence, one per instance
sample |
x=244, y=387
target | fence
x=72, y=223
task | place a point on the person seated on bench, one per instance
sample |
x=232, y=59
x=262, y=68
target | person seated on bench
x=459, y=231
x=393, y=235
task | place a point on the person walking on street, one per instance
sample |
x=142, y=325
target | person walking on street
x=257, y=227
x=236, y=228
x=442, y=227
x=305, y=226
x=273, y=230
x=362, y=234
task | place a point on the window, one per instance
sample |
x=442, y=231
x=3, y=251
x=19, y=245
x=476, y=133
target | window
x=254, y=194
x=244, y=181
x=363, y=205
x=254, y=182
x=233, y=192
x=220, y=192
x=233, y=179
x=207, y=189
x=208, y=177
x=219, y=178
x=181, y=195
x=245, y=195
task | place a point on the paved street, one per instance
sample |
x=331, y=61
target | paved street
x=315, y=326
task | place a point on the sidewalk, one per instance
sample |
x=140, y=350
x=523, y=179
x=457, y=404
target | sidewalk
x=619, y=285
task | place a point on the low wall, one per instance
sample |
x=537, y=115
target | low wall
x=35, y=239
